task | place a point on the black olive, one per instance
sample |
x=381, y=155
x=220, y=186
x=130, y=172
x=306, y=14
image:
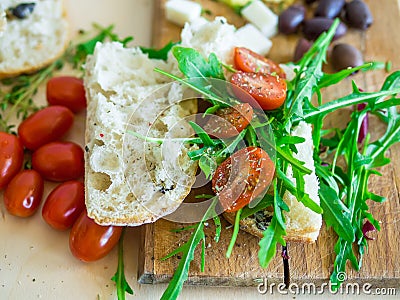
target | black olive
x=302, y=47
x=357, y=14
x=23, y=10
x=345, y=56
x=329, y=8
x=314, y=27
x=291, y=18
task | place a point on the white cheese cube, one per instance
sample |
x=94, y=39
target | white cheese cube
x=250, y=37
x=262, y=17
x=182, y=11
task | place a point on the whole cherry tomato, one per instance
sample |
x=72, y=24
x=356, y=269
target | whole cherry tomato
x=64, y=205
x=24, y=193
x=59, y=161
x=230, y=121
x=268, y=90
x=67, y=91
x=11, y=157
x=89, y=241
x=249, y=61
x=45, y=126
x=242, y=177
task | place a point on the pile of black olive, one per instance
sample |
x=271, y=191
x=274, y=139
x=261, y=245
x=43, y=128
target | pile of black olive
x=354, y=13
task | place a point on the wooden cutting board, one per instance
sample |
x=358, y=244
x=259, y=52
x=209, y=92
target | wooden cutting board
x=308, y=263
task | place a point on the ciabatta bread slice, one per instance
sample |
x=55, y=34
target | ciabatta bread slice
x=130, y=182
x=31, y=43
x=302, y=224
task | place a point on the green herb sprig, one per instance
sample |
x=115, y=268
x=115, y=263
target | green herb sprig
x=187, y=250
x=119, y=276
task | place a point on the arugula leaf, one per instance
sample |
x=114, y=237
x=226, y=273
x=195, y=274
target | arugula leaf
x=274, y=233
x=307, y=77
x=206, y=76
x=352, y=99
x=336, y=214
x=235, y=233
x=158, y=53
x=209, y=95
x=208, y=165
x=376, y=150
x=344, y=252
x=181, y=273
x=289, y=139
x=359, y=165
x=334, y=78
x=193, y=65
x=119, y=277
x=208, y=142
x=218, y=228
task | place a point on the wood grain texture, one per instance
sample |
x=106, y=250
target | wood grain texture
x=309, y=263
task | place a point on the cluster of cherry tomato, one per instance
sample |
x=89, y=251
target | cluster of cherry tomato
x=265, y=82
x=57, y=161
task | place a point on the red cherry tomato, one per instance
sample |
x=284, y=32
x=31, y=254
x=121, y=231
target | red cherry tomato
x=67, y=91
x=89, y=241
x=268, y=90
x=249, y=61
x=64, y=205
x=230, y=121
x=11, y=157
x=242, y=177
x=59, y=161
x=45, y=126
x=24, y=193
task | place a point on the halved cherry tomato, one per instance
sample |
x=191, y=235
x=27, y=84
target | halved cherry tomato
x=24, y=193
x=64, y=205
x=268, y=90
x=59, y=161
x=45, y=126
x=249, y=61
x=11, y=157
x=67, y=91
x=230, y=121
x=242, y=177
x=89, y=241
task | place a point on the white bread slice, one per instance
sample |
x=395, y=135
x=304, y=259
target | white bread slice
x=34, y=42
x=300, y=220
x=125, y=183
x=302, y=224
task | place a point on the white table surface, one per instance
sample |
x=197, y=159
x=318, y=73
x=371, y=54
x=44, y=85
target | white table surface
x=35, y=262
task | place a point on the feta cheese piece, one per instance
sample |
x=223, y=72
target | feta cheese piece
x=182, y=11
x=262, y=17
x=250, y=37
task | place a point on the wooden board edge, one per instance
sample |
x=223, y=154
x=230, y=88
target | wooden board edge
x=146, y=262
x=318, y=283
